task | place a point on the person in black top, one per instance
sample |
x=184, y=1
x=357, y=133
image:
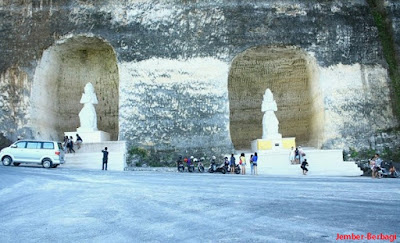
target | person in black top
x=179, y=161
x=232, y=163
x=303, y=166
x=297, y=155
x=78, y=141
x=105, y=158
x=71, y=144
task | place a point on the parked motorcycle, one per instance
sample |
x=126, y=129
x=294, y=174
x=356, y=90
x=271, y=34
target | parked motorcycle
x=181, y=167
x=214, y=168
x=200, y=165
x=237, y=168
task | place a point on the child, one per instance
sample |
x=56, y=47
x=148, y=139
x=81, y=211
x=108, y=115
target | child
x=243, y=163
x=303, y=166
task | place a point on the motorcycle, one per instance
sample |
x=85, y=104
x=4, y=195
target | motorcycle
x=200, y=165
x=214, y=168
x=181, y=167
x=191, y=167
x=237, y=168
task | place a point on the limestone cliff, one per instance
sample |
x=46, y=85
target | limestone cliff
x=188, y=76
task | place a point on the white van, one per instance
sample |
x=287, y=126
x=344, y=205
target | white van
x=49, y=154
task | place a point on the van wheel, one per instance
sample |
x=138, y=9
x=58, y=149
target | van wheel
x=16, y=164
x=6, y=161
x=47, y=163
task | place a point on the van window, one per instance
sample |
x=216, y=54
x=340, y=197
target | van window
x=47, y=145
x=21, y=144
x=33, y=145
x=60, y=147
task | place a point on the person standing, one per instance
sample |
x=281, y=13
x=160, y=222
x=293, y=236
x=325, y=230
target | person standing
x=291, y=156
x=105, y=158
x=66, y=145
x=78, y=141
x=372, y=166
x=301, y=154
x=255, y=160
x=297, y=156
x=251, y=164
x=243, y=163
x=71, y=144
x=232, y=164
x=378, y=166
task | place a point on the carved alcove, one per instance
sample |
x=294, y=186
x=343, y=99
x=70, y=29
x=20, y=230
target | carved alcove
x=292, y=76
x=59, y=81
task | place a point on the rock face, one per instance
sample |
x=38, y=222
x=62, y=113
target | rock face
x=188, y=77
x=393, y=10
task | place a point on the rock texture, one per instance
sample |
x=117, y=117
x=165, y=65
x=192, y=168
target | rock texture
x=172, y=74
x=393, y=10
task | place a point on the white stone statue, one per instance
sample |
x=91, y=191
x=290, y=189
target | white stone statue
x=270, y=122
x=87, y=115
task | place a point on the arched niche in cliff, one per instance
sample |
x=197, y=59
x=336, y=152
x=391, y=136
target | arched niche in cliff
x=58, y=84
x=292, y=76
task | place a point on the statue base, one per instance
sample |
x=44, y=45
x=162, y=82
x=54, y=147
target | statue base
x=90, y=136
x=273, y=144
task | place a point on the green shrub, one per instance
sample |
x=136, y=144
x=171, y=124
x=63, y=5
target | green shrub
x=136, y=156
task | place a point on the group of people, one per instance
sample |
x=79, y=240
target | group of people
x=376, y=165
x=253, y=160
x=297, y=156
x=229, y=163
x=69, y=143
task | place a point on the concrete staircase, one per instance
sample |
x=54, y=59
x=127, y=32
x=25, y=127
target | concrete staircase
x=321, y=162
x=89, y=156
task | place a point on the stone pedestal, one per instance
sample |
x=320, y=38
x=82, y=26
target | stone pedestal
x=321, y=163
x=90, y=136
x=276, y=143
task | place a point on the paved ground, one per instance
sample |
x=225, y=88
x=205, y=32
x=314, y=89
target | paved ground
x=65, y=205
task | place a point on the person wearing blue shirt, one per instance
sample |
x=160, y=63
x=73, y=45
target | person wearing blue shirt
x=255, y=160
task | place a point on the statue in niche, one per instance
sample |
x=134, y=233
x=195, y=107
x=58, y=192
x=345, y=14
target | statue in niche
x=270, y=123
x=87, y=115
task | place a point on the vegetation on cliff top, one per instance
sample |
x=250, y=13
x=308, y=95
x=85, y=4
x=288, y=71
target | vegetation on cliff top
x=386, y=36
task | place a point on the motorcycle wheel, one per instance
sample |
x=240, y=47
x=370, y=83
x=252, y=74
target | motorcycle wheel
x=180, y=169
x=223, y=171
x=190, y=169
x=237, y=171
x=210, y=170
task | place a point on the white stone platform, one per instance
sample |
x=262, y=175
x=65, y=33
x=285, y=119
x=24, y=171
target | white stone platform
x=90, y=156
x=321, y=162
x=90, y=136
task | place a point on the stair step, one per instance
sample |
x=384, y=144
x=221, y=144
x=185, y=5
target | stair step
x=89, y=156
